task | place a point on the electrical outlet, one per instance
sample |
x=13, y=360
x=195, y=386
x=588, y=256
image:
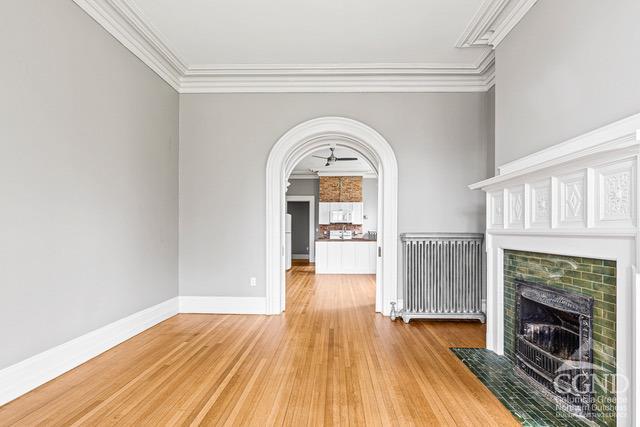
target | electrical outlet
x=253, y=281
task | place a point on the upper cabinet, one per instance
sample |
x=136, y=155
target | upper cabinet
x=357, y=213
x=340, y=189
x=324, y=213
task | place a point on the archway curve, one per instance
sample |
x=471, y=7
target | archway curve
x=287, y=151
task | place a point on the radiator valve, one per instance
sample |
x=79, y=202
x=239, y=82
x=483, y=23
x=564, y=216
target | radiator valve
x=393, y=314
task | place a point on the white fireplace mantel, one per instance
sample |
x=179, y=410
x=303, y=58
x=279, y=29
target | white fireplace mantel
x=577, y=198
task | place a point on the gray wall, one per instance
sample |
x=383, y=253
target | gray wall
x=490, y=114
x=306, y=187
x=568, y=67
x=299, y=227
x=440, y=141
x=88, y=178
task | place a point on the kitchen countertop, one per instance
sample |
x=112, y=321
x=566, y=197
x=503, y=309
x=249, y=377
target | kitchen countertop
x=355, y=239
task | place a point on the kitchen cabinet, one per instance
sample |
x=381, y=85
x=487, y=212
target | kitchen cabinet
x=324, y=213
x=346, y=257
x=357, y=211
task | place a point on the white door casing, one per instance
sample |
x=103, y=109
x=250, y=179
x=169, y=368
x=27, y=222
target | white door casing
x=299, y=142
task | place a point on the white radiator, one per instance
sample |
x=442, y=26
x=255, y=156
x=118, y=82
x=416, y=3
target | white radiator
x=442, y=276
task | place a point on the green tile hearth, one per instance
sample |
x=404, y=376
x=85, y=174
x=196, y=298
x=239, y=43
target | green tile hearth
x=526, y=403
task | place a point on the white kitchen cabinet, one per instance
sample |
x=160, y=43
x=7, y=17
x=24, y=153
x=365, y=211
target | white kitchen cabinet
x=345, y=257
x=357, y=210
x=324, y=213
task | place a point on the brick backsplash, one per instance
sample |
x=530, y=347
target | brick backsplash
x=325, y=228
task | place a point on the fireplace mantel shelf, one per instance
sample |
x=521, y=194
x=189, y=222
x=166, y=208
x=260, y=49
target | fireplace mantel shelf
x=617, y=138
x=630, y=233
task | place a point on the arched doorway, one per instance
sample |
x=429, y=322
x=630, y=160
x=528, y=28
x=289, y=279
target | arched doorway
x=286, y=153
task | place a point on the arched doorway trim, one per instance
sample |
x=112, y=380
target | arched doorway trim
x=285, y=154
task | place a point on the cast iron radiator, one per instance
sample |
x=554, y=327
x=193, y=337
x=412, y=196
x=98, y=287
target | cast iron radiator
x=442, y=276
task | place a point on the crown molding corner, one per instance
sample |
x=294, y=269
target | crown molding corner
x=493, y=21
x=125, y=22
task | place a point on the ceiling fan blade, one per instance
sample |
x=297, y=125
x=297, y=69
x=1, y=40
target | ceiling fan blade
x=346, y=159
x=319, y=157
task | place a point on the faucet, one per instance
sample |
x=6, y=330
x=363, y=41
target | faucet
x=342, y=234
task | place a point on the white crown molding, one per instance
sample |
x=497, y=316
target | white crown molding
x=126, y=22
x=307, y=84
x=367, y=175
x=336, y=172
x=340, y=78
x=303, y=176
x=417, y=68
x=347, y=173
x=493, y=21
x=24, y=376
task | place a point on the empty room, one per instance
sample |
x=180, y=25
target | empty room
x=319, y=213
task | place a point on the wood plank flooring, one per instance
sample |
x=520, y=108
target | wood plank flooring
x=330, y=360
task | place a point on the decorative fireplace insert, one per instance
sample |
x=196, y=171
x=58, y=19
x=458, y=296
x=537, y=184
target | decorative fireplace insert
x=554, y=344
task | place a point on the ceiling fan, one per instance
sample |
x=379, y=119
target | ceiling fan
x=332, y=158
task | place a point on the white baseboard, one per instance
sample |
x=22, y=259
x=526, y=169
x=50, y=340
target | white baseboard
x=223, y=305
x=299, y=256
x=24, y=376
x=18, y=379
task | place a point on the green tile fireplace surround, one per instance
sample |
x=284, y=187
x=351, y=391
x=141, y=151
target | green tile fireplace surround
x=591, y=277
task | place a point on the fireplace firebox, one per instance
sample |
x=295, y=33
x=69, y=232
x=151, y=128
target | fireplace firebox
x=554, y=344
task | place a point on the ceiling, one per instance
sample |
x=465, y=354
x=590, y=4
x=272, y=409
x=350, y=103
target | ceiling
x=309, y=165
x=218, y=46
x=315, y=31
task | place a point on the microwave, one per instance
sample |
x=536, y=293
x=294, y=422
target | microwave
x=340, y=216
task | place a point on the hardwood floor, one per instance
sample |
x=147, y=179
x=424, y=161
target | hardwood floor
x=329, y=360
